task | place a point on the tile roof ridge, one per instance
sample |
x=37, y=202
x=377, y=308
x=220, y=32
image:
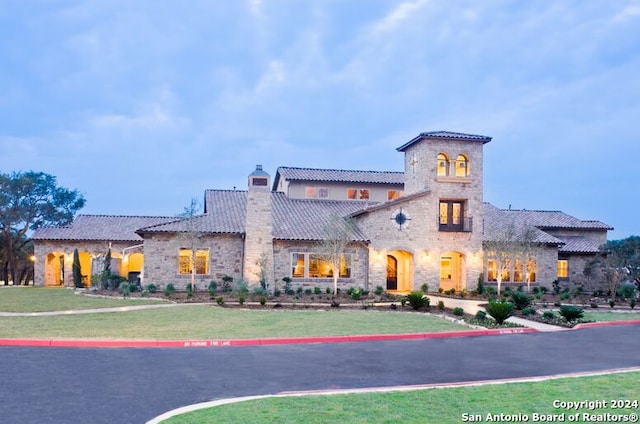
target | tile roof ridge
x=339, y=170
x=105, y=215
x=226, y=190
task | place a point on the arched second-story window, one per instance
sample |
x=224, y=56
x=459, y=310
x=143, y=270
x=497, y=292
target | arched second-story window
x=462, y=166
x=442, y=165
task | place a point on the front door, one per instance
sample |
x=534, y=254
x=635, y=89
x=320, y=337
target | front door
x=392, y=273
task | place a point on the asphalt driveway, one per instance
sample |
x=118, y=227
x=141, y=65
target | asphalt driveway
x=63, y=385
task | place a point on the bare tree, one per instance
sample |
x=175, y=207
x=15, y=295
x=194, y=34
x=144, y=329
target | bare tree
x=191, y=235
x=525, y=248
x=338, y=234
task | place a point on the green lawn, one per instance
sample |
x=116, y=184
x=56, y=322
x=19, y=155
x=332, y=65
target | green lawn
x=440, y=406
x=42, y=299
x=600, y=316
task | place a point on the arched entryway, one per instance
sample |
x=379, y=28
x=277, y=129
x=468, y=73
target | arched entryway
x=399, y=270
x=452, y=271
x=54, y=269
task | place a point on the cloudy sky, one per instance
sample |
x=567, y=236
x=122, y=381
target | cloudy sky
x=142, y=105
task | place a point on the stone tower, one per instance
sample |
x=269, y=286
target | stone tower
x=258, y=242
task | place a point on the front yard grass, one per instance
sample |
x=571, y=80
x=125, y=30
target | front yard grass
x=212, y=322
x=44, y=299
x=430, y=406
x=590, y=315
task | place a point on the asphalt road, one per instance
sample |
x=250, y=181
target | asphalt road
x=76, y=385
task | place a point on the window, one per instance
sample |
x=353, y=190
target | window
x=310, y=192
x=357, y=194
x=316, y=192
x=492, y=273
x=297, y=265
x=452, y=216
x=517, y=271
x=506, y=271
x=563, y=268
x=311, y=265
x=393, y=194
x=531, y=269
x=201, y=261
x=462, y=166
x=442, y=165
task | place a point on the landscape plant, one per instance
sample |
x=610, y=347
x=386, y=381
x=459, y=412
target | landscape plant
x=417, y=300
x=169, y=290
x=500, y=310
x=570, y=312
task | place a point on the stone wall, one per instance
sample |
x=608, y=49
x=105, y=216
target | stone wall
x=282, y=251
x=161, y=259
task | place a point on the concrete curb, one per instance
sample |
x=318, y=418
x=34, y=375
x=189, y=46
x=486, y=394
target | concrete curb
x=220, y=402
x=84, y=343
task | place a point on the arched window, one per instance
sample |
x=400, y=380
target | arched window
x=462, y=166
x=442, y=165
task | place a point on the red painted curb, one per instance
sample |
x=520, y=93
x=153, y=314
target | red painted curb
x=606, y=324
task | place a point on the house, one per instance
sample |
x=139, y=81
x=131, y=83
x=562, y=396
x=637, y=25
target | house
x=426, y=225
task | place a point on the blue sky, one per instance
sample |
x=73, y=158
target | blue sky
x=142, y=105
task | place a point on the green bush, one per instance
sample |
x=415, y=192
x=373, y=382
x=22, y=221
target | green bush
x=528, y=311
x=308, y=291
x=458, y=311
x=417, y=300
x=212, y=287
x=481, y=315
x=220, y=300
x=317, y=290
x=500, y=310
x=151, y=288
x=241, y=298
x=277, y=292
x=424, y=288
x=263, y=300
x=169, y=290
x=627, y=290
x=520, y=299
x=570, y=312
x=549, y=315
x=226, y=283
x=133, y=287
x=379, y=290
x=124, y=289
x=356, y=294
x=440, y=305
x=189, y=290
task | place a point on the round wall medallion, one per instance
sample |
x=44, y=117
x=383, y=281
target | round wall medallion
x=400, y=219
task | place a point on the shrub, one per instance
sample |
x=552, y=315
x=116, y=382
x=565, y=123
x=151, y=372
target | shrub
x=458, y=311
x=441, y=305
x=287, y=284
x=260, y=291
x=417, y=300
x=528, y=311
x=212, y=287
x=277, y=292
x=124, y=289
x=549, y=315
x=299, y=290
x=424, y=288
x=263, y=300
x=632, y=303
x=290, y=292
x=520, y=299
x=226, y=283
x=241, y=298
x=612, y=303
x=403, y=301
x=189, y=290
x=151, y=288
x=133, y=287
x=328, y=290
x=317, y=290
x=570, y=312
x=169, y=290
x=565, y=296
x=379, y=290
x=220, y=300
x=492, y=291
x=308, y=291
x=500, y=310
x=627, y=290
x=356, y=294
x=480, y=287
x=481, y=315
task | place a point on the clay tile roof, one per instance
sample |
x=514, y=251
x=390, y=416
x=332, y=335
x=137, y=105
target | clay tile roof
x=339, y=175
x=100, y=227
x=444, y=135
x=501, y=226
x=302, y=219
x=578, y=244
x=225, y=212
x=555, y=220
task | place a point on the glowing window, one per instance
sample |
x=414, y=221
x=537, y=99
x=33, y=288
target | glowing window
x=201, y=261
x=310, y=192
x=442, y=165
x=531, y=269
x=446, y=267
x=492, y=273
x=321, y=268
x=563, y=268
x=357, y=194
x=462, y=166
x=352, y=193
x=297, y=265
x=392, y=194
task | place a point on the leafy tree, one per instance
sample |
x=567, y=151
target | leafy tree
x=338, y=233
x=625, y=254
x=30, y=200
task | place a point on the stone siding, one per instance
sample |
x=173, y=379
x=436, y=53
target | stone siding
x=161, y=259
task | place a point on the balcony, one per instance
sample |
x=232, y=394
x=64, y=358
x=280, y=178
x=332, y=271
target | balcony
x=455, y=225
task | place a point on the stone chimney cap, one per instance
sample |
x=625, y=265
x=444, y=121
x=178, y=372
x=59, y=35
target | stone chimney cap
x=259, y=172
